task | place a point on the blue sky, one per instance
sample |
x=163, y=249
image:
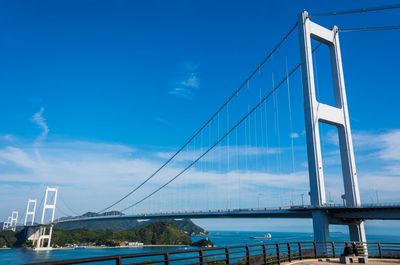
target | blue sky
x=96, y=94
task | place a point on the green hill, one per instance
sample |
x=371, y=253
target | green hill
x=149, y=233
x=160, y=233
x=120, y=224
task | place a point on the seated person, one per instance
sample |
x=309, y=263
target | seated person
x=348, y=250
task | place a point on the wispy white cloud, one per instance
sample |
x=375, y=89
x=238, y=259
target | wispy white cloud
x=384, y=146
x=377, y=156
x=93, y=174
x=191, y=82
x=188, y=84
x=294, y=135
x=17, y=157
x=388, y=144
x=8, y=137
x=162, y=121
x=221, y=153
x=40, y=121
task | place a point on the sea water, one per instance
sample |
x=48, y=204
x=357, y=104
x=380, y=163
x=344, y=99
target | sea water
x=219, y=238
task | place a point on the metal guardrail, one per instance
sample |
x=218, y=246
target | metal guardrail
x=268, y=254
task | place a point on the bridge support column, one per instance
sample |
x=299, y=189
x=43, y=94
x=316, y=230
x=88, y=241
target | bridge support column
x=338, y=116
x=357, y=232
x=321, y=226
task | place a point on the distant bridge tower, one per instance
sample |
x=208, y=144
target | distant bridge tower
x=7, y=223
x=13, y=221
x=338, y=116
x=45, y=231
x=30, y=212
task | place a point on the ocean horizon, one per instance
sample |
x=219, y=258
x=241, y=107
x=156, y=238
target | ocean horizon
x=219, y=238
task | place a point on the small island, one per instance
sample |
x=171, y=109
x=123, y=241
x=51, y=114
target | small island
x=203, y=243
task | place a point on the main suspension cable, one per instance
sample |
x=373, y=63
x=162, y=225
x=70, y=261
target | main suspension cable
x=244, y=118
x=220, y=139
x=357, y=10
x=235, y=93
x=66, y=205
x=364, y=29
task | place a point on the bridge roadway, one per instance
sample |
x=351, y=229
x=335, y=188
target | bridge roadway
x=338, y=214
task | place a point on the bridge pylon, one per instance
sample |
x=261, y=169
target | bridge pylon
x=30, y=212
x=13, y=221
x=7, y=223
x=43, y=240
x=338, y=116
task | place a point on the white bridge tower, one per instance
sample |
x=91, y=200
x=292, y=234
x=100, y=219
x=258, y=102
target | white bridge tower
x=45, y=231
x=338, y=116
x=30, y=212
x=13, y=221
x=6, y=224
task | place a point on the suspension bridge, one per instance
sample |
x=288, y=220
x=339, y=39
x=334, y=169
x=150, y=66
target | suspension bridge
x=238, y=141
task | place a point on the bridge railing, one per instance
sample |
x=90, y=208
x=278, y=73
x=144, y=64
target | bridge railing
x=270, y=253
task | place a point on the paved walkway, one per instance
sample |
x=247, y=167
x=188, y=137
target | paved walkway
x=336, y=261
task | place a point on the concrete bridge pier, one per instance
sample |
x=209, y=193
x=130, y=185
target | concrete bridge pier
x=357, y=232
x=321, y=226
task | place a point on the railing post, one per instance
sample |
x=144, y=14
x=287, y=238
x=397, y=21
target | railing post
x=315, y=249
x=264, y=254
x=289, y=252
x=247, y=255
x=227, y=256
x=300, y=252
x=278, y=256
x=333, y=249
x=166, y=259
x=201, y=257
x=118, y=260
x=380, y=250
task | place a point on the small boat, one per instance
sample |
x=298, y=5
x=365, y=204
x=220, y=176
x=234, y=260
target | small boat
x=265, y=236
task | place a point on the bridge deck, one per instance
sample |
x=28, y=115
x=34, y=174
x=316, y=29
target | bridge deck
x=372, y=212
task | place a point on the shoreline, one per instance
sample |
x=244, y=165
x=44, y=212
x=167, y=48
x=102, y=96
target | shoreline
x=144, y=246
x=115, y=247
x=147, y=246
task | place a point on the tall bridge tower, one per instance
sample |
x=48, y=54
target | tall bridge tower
x=43, y=240
x=338, y=116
